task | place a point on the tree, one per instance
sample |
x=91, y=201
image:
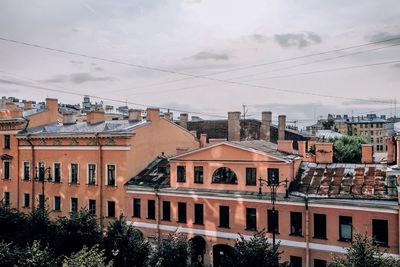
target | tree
x=347, y=149
x=9, y=254
x=328, y=124
x=11, y=223
x=172, y=251
x=35, y=256
x=363, y=253
x=125, y=244
x=93, y=257
x=256, y=252
x=38, y=227
x=71, y=234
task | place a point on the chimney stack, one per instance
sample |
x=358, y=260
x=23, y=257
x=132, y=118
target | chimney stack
x=366, y=154
x=203, y=140
x=323, y=152
x=95, y=117
x=281, y=127
x=183, y=120
x=152, y=114
x=52, y=104
x=266, y=118
x=302, y=148
x=169, y=116
x=285, y=146
x=27, y=105
x=234, y=126
x=391, y=150
x=134, y=115
x=69, y=118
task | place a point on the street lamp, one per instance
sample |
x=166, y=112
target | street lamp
x=40, y=174
x=273, y=183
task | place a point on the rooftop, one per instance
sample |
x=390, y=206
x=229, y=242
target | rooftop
x=156, y=174
x=264, y=147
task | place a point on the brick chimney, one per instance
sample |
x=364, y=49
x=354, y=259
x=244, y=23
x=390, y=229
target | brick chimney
x=183, y=120
x=203, y=140
x=52, y=105
x=234, y=126
x=135, y=115
x=153, y=114
x=285, y=146
x=366, y=154
x=266, y=118
x=69, y=118
x=27, y=105
x=302, y=148
x=323, y=152
x=97, y=116
x=169, y=116
x=281, y=127
x=391, y=150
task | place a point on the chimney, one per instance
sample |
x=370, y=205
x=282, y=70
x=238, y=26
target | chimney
x=285, y=146
x=183, y=120
x=134, y=115
x=152, y=114
x=391, y=150
x=366, y=154
x=281, y=127
x=203, y=140
x=27, y=105
x=323, y=152
x=69, y=118
x=234, y=126
x=383, y=117
x=398, y=151
x=194, y=133
x=169, y=116
x=302, y=148
x=93, y=117
x=52, y=104
x=266, y=118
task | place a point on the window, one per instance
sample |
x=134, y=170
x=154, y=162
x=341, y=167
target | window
x=26, y=200
x=224, y=176
x=273, y=175
x=198, y=213
x=74, y=204
x=198, y=174
x=380, y=232
x=320, y=226
x=295, y=261
x=6, y=199
x=27, y=170
x=57, y=172
x=271, y=221
x=111, y=175
x=136, y=207
x=74, y=173
x=42, y=170
x=92, y=206
x=296, y=223
x=320, y=263
x=251, y=176
x=151, y=209
x=57, y=203
x=181, y=174
x=251, y=219
x=224, y=216
x=41, y=201
x=181, y=212
x=7, y=143
x=91, y=174
x=345, y=228
x=166, y=210
x=6, y=170
x=111, y=209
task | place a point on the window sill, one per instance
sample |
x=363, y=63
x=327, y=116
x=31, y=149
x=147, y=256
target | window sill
x=251, y=229
x=181, y=222
x=181, y=181
x=270, y=232
x=111, y=186
x=298, y=235
x=58, y=211
x=198, y=223
x=26, y=180
x=321, y=238
x=198, y=182
x=251, y=185
x=150, y=219
x=58, y=182
x=345, y=240
x=224, y=227
x=5, y=179
x=73, y=184
x=91, y=184
x=137, y=217
x=165, y=220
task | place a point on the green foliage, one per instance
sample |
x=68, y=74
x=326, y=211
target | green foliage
x=256, y=252
x=35, y=256
x=9, y=254
x=71, y=234
x=363, y=253
x=11, y=223
x=347, y=149
x=127, y=243
x=93, y=257
x=171, y=252
x=328, y=124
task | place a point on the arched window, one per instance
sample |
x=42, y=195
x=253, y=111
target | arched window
x=224, y=176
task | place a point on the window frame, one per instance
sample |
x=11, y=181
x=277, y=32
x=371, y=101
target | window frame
x=91, y=180
x=8, y=172
x=90, y=203
x=26, y=176
x=322, y=234
x=232, y=177
x=111, y=207
x=385, y=242
x=180, y=174
x=164, y=209
x=115, y=175
x=198, y=176
x=6, y=198
x=55, y=202
x=198, y=219
x=224, y=221
x=182, y=212
x=71, y=173
x=72, y=201
x=249, y=180
x=136, y=207
x=270, y=221
x=342, y=218
x=59, y=177
x=26, y=200
x=293, y=223
x=7, y=141
x=151, y=208
x=251, y=219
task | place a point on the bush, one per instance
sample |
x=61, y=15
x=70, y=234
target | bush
x=93, y=257
x=171, y=252
x=347, y=149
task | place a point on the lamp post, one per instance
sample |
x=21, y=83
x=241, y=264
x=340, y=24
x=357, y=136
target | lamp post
x=40, y=174
x=273, y=183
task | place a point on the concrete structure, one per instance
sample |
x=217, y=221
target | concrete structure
x=234, y=126
x=281, y=127
x=265, y=131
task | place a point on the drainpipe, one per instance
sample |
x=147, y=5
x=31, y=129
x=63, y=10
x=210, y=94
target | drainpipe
x=18, y=172
x=100, y=178
x=32, y=171
x=307, y=232
x=158, y=213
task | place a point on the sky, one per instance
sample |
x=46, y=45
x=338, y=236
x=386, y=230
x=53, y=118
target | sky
x=206, y=57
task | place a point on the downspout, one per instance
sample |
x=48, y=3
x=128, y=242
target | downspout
x=307, y=232
x=158, y=213
x=18, y=172
x=100, y=178
x=32, y=171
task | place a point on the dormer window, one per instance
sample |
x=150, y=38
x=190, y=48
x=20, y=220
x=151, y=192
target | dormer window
x=224, y=175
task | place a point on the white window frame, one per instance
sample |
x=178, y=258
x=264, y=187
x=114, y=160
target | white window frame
x=70, y=204
x=9, y=169
x=95, y=206
x=95, y=173
x=106, y=176
x=77, y=173
x=23, y=199
x=54, y=171
x=23, y=170
x=54, y=204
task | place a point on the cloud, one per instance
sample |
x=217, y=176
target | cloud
x=381, y=36
x=299, y=40
x=259, y=37
x=77, y=78
x=8, y=82
x=396, y=65
x=204, y=55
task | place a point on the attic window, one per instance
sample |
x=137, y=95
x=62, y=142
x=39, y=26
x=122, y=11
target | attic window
x=224, y=176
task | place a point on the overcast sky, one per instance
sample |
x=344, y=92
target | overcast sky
x=201, y=37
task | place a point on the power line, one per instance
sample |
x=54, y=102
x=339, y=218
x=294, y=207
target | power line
x=186, y=74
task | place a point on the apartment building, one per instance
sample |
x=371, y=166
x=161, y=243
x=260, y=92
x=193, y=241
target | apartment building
x=83, y=164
